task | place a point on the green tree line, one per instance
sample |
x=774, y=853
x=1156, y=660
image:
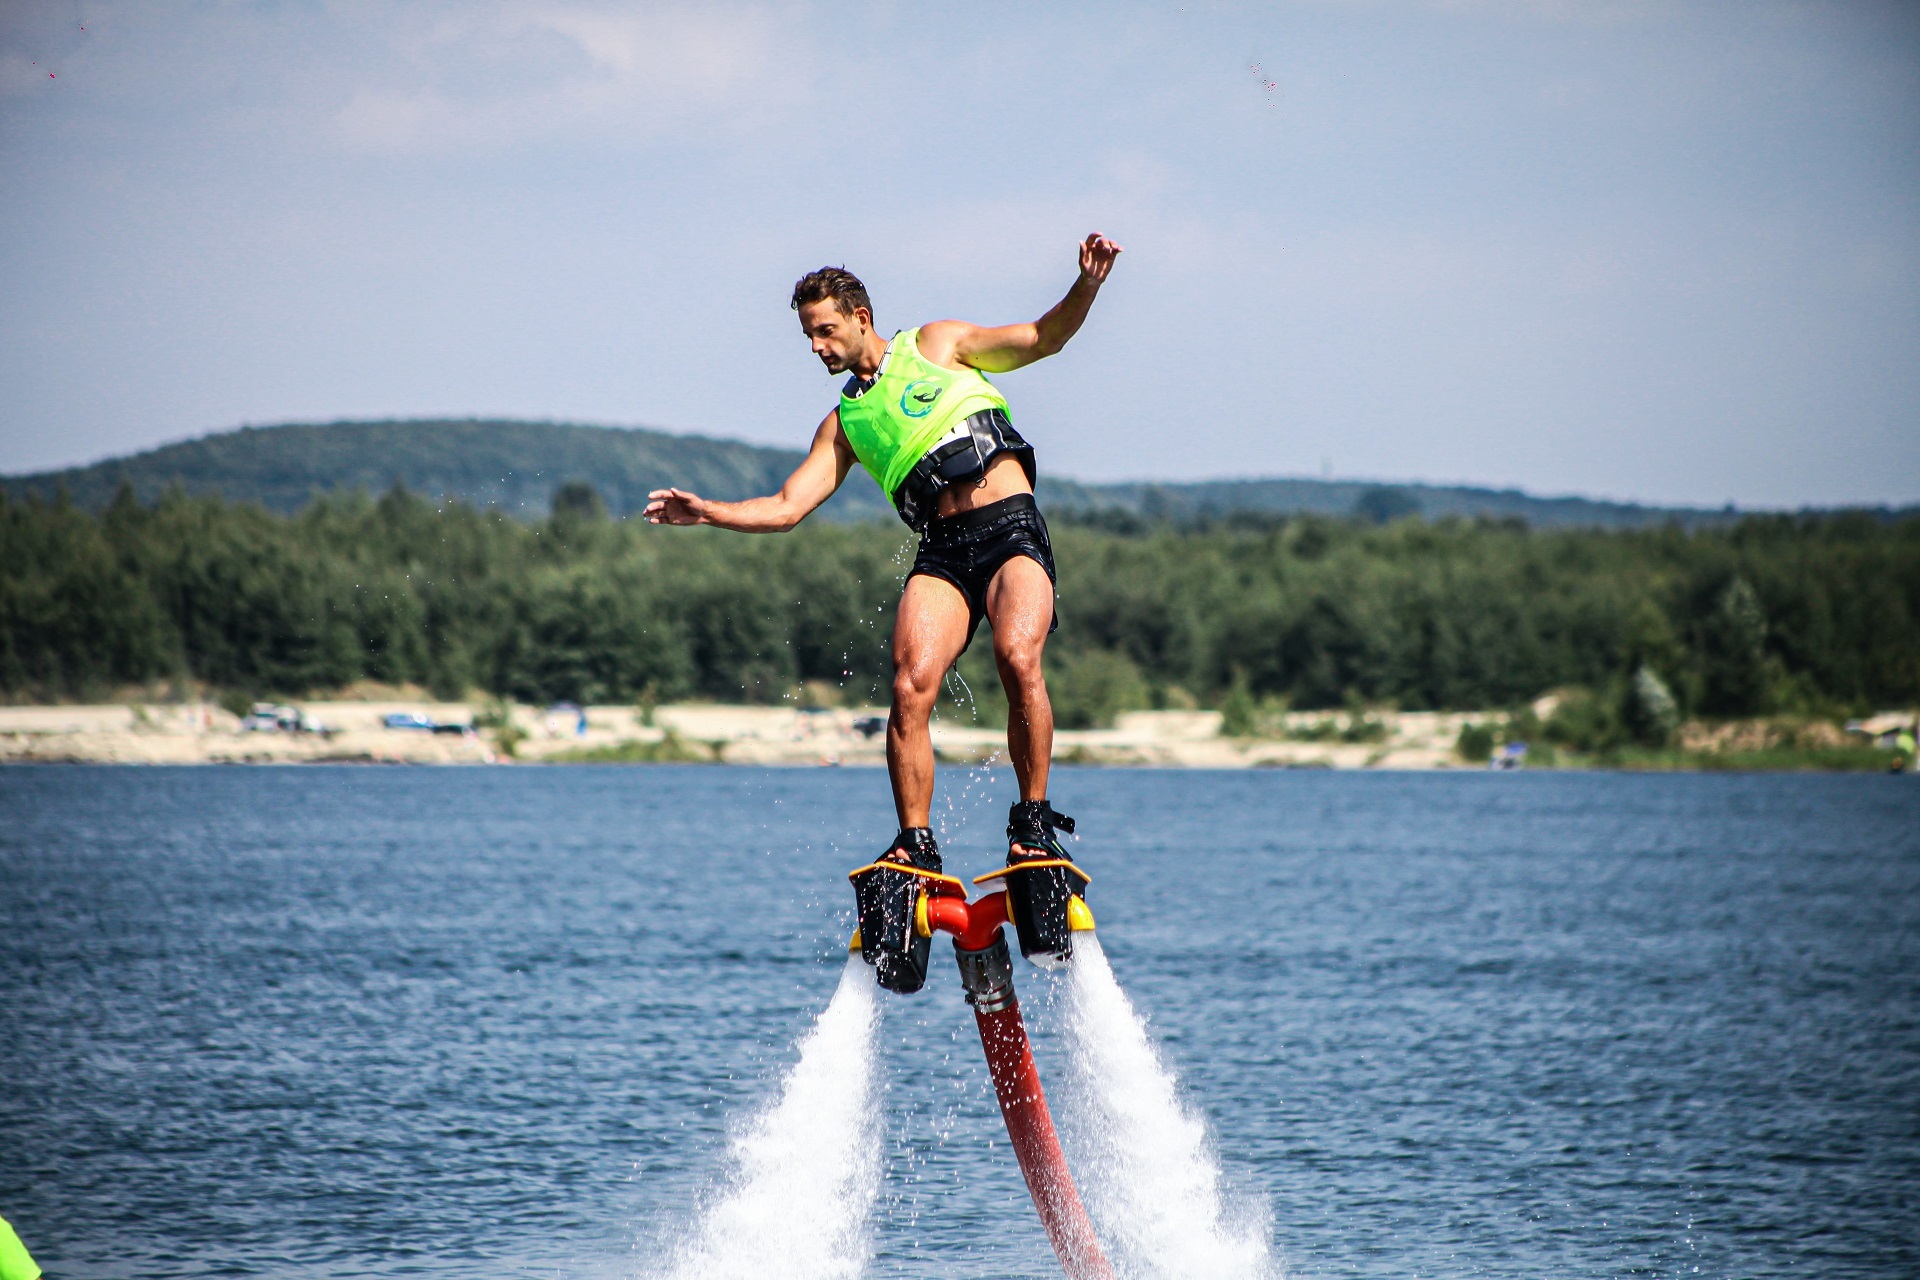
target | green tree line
x=1788, y=613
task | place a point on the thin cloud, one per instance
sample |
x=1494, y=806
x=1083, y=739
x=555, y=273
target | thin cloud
x=480, y=78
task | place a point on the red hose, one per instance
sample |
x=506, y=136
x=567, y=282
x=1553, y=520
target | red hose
x=1030, y=1125
x=975, y=926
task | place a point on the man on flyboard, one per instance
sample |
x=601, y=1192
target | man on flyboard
x=920, y=416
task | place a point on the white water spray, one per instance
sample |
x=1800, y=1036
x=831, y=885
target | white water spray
x=806, y=1170
x=1144, y=1164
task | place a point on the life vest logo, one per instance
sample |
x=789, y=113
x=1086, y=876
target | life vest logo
x=917, y=400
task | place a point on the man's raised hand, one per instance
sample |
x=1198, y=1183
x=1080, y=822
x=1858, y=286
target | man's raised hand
x=675, y=506
x=1096, y=257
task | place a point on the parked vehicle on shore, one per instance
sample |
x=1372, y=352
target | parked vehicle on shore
x=414, y=722
x=268, y=717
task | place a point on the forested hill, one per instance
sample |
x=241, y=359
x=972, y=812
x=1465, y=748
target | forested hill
x=517, y=466
x=1776, y=614
x=508, y=464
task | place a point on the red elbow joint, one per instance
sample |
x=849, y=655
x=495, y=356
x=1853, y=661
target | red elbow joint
x=974, y=925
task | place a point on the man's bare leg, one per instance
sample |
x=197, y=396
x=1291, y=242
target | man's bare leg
x=928, y=634
x=1020, y=607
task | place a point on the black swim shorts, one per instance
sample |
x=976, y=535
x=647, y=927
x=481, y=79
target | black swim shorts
x=968, y=548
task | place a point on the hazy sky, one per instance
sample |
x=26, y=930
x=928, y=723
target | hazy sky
x=1666, y=251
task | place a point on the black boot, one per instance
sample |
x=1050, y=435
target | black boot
x=1030, y=828
x=886, y=895
x=1037, y=895
x=915, y=845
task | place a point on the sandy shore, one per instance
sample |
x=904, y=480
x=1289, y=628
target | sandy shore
x=199, y=733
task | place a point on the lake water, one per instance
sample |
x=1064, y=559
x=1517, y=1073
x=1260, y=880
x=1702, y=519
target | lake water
x=461, y=1022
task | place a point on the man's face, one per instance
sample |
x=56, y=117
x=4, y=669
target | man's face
x=836, y=336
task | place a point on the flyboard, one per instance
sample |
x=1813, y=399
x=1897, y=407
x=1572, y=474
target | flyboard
x=901, y=907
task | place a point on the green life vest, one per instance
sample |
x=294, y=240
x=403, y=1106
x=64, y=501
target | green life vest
x=909, y=408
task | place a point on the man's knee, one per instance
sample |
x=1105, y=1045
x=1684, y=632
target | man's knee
x=1020, y=668
x=913, y=693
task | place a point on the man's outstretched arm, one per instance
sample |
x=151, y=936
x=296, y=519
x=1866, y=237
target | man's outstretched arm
x=812, y=483
x=1009, y=346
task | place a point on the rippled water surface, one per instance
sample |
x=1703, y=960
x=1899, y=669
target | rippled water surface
x=417, y=1022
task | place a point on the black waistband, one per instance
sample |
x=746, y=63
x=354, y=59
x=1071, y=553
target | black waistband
x=987, y=435
x=965, y=521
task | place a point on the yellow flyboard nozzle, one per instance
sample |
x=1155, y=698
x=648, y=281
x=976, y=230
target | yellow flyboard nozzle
x=1079, y=914
x=922, y=924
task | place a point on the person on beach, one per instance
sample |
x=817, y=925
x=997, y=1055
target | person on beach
x=919, y=414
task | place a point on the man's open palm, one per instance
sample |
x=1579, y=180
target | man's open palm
x=675, y=506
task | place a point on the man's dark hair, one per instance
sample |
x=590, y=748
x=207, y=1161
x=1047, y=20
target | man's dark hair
x=836, y=283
